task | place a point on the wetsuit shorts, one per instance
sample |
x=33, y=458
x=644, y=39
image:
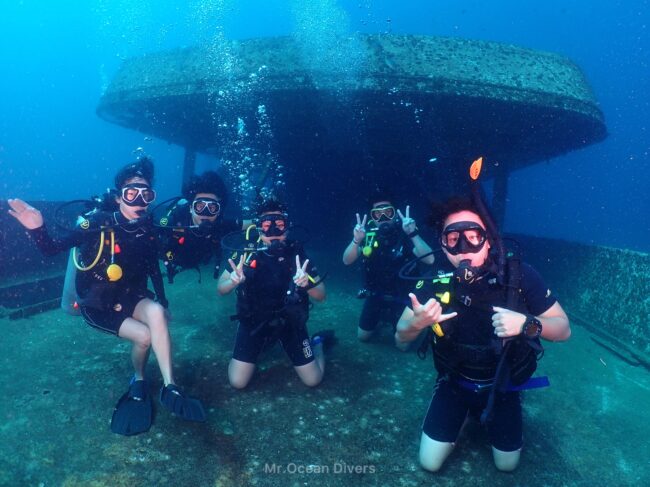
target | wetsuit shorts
x=451, y=403
x=376, y=306
x=253, y=336
x=109, y=320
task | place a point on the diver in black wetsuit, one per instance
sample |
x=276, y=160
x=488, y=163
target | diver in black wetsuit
x=274, y=284
x=385, y=244
x=192, y=227
x=469, y=345
x=116, y=255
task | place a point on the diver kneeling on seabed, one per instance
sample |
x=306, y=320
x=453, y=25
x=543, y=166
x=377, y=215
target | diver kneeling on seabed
x=484, y=333
x=116, y=255
x=274, y=280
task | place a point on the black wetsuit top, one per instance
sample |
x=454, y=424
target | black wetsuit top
x=468, y=347
x=383, y=265
x=269, y=280
x=188, y=248
x=135, y=252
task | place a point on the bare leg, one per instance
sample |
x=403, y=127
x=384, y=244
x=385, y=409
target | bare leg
x=240, y=373
x=364, y=335
x=311, y=374
x=139, y=335
x=433, y=453
x=151, y=316
x=506, y=461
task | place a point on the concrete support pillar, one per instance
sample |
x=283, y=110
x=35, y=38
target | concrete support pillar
x=189, y=165
x=500, y=196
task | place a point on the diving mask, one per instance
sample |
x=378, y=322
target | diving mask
x=273, y=224
x=463, y=238
x=382, y=213
x=138, y=194
x=206, y=206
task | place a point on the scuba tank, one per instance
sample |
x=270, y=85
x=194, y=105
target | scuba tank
x=69, y=297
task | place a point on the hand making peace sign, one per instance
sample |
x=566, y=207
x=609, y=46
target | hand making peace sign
x=359, y=232
x=301, y=279
x=408, y=223
x=237, y=275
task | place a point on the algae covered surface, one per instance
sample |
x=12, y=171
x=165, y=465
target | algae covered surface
x=360, y=427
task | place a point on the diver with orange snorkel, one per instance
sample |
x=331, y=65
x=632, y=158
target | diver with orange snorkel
x=484, y=330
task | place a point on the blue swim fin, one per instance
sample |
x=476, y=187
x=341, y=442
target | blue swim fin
x=185, y=407
x=133, y=413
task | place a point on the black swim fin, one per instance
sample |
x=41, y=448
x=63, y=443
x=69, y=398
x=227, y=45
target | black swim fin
x=185, y=407
x=133, y=413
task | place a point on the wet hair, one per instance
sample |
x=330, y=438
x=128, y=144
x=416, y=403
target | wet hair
x=142, y=168
x=270, y=204
x=455, y=204
x=381, y=193
x=208, y=182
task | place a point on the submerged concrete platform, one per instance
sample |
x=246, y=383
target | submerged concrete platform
x=584, y=430
x=370, y=99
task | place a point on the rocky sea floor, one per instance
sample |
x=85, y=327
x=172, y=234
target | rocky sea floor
x=360, y=427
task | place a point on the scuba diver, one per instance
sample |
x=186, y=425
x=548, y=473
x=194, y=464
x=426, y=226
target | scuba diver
x=385, y=243
x=486, y=342
x=274, y=280
x=116, y=255
x=192, y=226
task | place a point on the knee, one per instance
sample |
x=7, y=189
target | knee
x=238, y=382
x=143, y=340
x=312, y=381
x=506, y=461
x=364, y=335
x=239, y=375
x=433, y=453
x=155, y=318
x=431, y=463
x=155, y=312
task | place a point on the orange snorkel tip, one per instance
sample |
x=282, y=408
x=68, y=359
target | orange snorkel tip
x=475, y=169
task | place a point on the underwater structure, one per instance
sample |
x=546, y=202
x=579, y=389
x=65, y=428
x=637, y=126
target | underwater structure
x=363, y=103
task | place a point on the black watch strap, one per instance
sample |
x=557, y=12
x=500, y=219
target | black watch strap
x=532, y=327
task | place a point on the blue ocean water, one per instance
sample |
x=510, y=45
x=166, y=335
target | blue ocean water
x=58, y=58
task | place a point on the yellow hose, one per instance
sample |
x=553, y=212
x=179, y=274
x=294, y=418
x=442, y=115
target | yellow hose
x=99, y=253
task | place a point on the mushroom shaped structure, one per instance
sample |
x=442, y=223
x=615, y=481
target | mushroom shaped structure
x=361, y=104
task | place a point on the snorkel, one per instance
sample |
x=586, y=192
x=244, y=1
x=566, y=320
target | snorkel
x=493, y=235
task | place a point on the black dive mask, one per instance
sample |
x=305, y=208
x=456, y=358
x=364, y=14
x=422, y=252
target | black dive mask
x=138, y=194
x=273, y=225
x=463, y=238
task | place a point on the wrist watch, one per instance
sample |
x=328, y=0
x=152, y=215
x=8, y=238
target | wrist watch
x=532, y=327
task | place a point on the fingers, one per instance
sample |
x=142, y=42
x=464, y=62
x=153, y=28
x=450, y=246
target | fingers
x=400, y=214
x=447, y=316
x=240, y=266
x=365, y=219
x=17, y=205
x=304, y=265
x=297, y=263
x=408, y=209
x=358, y=220
x=232, y=265
x=414, y=301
